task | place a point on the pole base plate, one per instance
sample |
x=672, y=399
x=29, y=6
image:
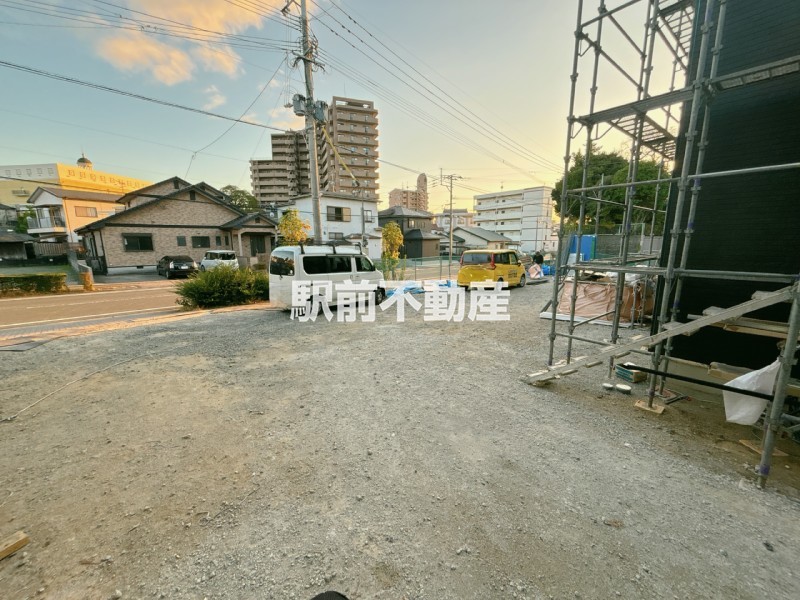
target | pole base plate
x=656, y=408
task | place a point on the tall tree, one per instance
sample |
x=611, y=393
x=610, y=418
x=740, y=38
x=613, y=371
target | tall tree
x=392, y=240
x=22, y=219
x=292, y=229
x=241, y=199
x=610, y=167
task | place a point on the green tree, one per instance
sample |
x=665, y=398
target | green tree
x=241, y=199
x=611, y=168
x=392, y=240
x=22, y=219
x=292, y=229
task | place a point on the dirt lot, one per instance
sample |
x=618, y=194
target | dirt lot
x=243, y=455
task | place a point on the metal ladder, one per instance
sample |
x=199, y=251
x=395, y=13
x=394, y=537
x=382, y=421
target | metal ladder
x=671, y=329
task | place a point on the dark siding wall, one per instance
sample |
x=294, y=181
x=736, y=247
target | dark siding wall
x=747, y=222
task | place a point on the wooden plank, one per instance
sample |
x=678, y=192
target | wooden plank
x=13, y=543
x=756, y=447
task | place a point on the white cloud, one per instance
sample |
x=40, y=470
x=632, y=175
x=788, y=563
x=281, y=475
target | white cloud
x=134, y=51
x=215, y=98
x=284, y=118
x=176, y=60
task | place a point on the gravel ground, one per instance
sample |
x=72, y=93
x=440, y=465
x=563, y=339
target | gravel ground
x=243, y=455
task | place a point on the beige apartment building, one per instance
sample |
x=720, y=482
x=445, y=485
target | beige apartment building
x=416, y=199
x=352, y=126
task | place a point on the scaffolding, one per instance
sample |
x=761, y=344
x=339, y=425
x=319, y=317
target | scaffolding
x=685, y=39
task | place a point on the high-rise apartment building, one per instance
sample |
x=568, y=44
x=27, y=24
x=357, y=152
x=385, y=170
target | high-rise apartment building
x=416, y=199
x=284, y=176
x=352, y=125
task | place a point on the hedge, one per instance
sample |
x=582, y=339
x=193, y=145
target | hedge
x=33, y=283
x=223, y=286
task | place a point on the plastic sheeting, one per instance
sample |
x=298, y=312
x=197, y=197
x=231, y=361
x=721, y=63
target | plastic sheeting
x=746, y=410
x=596, y=298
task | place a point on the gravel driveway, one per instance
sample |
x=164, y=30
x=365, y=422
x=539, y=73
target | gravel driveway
x=243, y=455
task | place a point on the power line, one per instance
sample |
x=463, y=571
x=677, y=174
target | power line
x=505, y=141
x=106, y=88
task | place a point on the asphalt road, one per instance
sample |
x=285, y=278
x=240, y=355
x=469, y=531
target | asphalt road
x=40, y=314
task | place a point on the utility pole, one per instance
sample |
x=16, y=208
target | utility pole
x=449, y=185
x=313, y=112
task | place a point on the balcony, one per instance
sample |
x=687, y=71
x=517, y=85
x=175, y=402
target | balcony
x=47, y=224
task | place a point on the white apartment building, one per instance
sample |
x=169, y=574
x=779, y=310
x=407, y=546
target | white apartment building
x=342, y=219
x=525, y=216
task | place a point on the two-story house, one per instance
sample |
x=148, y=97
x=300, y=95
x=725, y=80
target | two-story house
x=345, y=218
x=416, y=225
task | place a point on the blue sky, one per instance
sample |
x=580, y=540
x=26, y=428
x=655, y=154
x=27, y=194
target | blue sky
x=501, y=66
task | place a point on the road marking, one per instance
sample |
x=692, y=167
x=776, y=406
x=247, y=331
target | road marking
x=160, y=288
x=167, y=295
x=86, y=317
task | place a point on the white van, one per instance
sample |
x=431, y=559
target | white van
x=310, y=264
x=217, y=258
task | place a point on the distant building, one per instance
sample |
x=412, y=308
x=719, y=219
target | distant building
x=285, y=175
x=418, y=238
x=352, y=126
x=462, y=217
x=477, y=237
x=416, y=199
x=60, y=212
x=524, y=216
x=18, y=182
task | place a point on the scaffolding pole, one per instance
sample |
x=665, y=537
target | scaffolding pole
x=679, y=29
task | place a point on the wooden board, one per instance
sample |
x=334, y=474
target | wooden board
x=755, y=447
x=13, y=543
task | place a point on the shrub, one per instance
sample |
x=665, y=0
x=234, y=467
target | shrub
x=223, y=286
x=33, y=283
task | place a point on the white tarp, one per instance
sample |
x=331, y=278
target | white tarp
x=745, y=410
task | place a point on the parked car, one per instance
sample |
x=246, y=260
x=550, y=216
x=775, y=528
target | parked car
x=217, y=258
x=319, y=265
x=170, y=266
x=491, y=265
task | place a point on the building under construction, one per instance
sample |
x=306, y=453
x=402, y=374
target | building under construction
x=714, y=87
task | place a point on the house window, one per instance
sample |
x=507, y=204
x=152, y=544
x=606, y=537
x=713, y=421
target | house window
x=226, y=240
x=85, y=211
x=338, y=213
x=368, y=216
x=411, y=224
x=335, y=235
x=218, y=240
x=137, y=242
x=201, y=241
x=366, y=150
x=181, y=239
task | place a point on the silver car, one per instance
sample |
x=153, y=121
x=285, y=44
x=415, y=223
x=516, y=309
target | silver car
x=217, y=258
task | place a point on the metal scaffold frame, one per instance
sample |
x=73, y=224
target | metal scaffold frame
x=649, y=121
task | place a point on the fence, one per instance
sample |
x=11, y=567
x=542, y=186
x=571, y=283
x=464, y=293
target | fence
x=50, y=248
x=433, y=267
